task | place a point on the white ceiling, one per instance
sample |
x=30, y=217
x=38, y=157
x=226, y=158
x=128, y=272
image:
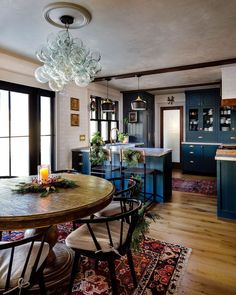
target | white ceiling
x=135, y=35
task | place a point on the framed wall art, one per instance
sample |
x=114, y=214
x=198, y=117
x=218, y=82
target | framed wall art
x=74, y=104
x=74, y=120
x=133, y=117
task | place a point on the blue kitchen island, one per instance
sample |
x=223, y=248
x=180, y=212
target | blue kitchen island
x=226, y=182
x=156, y=158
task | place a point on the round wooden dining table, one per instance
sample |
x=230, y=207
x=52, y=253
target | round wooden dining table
x=30, y=211
x=23, y=211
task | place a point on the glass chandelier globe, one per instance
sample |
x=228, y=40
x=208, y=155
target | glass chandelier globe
x=66, y=59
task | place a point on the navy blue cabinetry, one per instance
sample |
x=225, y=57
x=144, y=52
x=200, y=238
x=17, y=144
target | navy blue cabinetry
x=227, y=125
x=226, y=189
x=199, y=158
x=202, y=118
x=80, y=161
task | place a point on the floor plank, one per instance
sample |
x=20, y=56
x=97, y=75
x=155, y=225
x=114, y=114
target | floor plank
x=190, y=220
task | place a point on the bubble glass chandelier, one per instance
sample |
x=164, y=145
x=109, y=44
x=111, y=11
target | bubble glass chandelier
x=66, y=59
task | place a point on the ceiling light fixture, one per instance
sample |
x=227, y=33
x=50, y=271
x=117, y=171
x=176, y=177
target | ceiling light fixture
x=138, y=104
x=65, y=58
x=107, y=105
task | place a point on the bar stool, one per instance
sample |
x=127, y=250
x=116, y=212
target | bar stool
x=107, y=169
x=133, y=163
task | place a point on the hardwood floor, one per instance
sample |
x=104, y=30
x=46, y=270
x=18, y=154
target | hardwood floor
x=190, y=220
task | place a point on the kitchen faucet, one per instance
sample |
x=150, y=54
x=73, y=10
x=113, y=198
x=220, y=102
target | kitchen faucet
x=117, y=131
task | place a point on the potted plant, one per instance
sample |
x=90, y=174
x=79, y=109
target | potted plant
x=97, y=153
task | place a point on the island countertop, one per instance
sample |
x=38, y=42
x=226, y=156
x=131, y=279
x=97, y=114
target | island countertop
x=225, y=155
x=151, y=152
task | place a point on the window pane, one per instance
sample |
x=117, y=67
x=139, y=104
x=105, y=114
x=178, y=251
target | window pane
x=104, y=131
x=20, y=156
x=19, y=114
x=4, y=157
x=46, y=150
x=113, y=125
x=4, y=113
x=93, y=128
x=45, y=117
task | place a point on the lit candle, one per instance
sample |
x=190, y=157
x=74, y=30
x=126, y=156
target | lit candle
x=43, y=174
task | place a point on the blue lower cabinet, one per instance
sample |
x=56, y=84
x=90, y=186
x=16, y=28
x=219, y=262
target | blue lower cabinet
x=199, y=158
x=228, y=137
x=226, y=189
x=209, y=162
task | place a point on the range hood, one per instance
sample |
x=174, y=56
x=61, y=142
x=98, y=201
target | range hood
x=228, y=86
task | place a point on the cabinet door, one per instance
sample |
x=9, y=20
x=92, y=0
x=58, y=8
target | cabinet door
x=193, y=99
x=77, y=161
x=209, y=162
x=210, y=97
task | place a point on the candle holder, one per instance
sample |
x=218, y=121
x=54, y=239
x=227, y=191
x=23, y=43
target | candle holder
x=44, y=172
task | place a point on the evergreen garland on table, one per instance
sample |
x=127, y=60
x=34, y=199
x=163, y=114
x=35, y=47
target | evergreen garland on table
x=44, y=188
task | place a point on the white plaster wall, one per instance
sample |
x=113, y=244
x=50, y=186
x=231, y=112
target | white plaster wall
x=161, y=101
x=228, y=82
x=16, y=70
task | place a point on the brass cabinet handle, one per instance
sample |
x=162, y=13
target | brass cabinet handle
x=191, y=146
x=191, y=152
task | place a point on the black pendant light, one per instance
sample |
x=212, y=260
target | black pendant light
x=107, y=105
x=138, y=104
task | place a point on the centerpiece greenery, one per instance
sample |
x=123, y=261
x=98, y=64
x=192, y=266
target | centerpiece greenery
x=97, y=153
x=44, y=189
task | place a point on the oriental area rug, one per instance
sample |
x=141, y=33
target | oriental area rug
x=159, y=268
x=198, y=186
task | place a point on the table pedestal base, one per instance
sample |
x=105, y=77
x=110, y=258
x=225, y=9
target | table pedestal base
x=57, y=273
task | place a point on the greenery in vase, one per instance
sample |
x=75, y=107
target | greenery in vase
x=97, y=153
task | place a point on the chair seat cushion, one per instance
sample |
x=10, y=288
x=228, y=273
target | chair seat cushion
x=82, y=239
x=20, y=255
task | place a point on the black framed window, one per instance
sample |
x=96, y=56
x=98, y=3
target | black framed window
x=26, y=129
x=102, y=121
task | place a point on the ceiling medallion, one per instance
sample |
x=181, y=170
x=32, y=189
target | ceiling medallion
x=53, y=12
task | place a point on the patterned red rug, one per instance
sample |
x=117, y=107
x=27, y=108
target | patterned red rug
x=159, y=268
x=198, y=186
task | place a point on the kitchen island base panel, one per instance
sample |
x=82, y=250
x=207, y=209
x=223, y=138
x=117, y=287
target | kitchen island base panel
x=226, y=189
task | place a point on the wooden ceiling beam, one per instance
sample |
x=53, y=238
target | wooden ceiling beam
x=170, y=69
x=174, y=87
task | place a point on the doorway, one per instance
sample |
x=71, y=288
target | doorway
x=172, y=131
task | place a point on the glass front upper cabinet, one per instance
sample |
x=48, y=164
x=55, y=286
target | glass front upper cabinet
x=193, y=120
x=226, y=119
x=208, y=117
